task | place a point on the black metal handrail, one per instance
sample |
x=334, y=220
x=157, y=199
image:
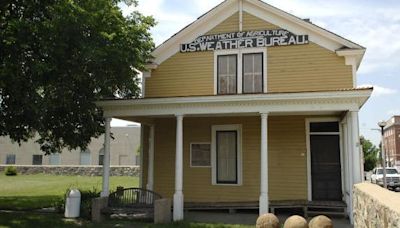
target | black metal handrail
x=132, y=198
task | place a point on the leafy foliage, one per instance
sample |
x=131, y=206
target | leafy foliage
x=370, y=154
x=57, y=58
x=10, y=171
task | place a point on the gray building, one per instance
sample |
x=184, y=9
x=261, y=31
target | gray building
x=124, y=149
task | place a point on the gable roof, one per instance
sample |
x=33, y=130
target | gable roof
x=262, y=10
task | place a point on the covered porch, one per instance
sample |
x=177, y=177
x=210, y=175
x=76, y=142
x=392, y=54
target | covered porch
x=273, y=146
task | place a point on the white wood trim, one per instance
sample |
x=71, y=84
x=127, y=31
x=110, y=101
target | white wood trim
x=260, y=9
x=190, y=161
x=226, y=127
x=141, y=185
x=106, y=163
x=150, y=168
x=307, y=122
x=239, y=79
x=300, y=96
x=178, y=195
x=264, y=196
x=194, y=30
x=240, y=15
x=238, y=104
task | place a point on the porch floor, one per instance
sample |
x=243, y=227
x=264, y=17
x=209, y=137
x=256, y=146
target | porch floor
x=247, y=218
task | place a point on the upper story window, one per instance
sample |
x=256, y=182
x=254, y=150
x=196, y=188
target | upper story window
x=240, y=71
x=253, y=73
x=227, y=74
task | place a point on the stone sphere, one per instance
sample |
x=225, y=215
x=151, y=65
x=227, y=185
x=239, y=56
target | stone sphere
x=295, y=221
x=267, y=221
x=320, y=221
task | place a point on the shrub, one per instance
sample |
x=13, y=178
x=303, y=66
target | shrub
x=10, y=171
x=86, y=202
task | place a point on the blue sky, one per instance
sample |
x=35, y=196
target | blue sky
x=370, y=23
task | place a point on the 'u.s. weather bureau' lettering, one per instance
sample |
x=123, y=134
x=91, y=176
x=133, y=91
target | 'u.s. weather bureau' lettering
x=246, y=42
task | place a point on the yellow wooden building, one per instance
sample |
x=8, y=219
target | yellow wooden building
x=249, y=104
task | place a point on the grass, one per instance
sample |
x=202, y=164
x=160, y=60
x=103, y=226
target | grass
x=27, y=192
x=25, y=220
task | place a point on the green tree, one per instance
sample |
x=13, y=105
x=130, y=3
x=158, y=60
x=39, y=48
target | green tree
x=370, y=153
x=57, y=57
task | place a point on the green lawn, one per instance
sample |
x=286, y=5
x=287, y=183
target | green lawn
x=26, y=220
x=24, y=192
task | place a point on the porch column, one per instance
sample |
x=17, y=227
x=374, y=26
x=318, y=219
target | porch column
x=355, y=148
x=150, y=168
x=178, y=196
x=263, y=203
x=106, y=162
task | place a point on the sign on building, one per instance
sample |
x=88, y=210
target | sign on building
x=249, y=39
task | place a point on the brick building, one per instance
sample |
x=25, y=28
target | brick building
x=392, y=141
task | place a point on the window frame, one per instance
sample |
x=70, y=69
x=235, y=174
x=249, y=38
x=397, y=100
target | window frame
x=59, y=159
x=237, y=72
x=87, y=151
x=214, y=168
x=262, y=71
x=239, y=75
x=15, y=159
x=190, y=162
x=39, y=155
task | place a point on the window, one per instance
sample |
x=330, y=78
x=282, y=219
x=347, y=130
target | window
x=227, y=74
x=54, y=159
x=252, y=73
x=101, y=156
x=240, y=71
x=37, y=159
x=85, y=157
x=226, y=154
x=200, y=155
x=10, y=159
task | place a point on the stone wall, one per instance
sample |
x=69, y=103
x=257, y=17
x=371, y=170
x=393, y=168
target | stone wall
x=374, y=206
x=75, y=170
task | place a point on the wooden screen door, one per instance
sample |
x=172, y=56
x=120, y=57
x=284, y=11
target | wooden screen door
x=325, y=165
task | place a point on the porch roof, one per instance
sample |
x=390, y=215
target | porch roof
x=339, y=100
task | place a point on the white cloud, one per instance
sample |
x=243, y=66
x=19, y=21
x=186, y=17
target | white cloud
x=379, y=90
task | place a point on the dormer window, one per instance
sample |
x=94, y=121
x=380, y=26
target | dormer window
x=240, y=71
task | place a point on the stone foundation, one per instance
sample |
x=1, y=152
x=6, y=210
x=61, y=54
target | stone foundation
x=75, y=170
x=374, y=206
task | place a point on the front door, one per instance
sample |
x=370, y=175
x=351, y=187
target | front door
x=325, y=161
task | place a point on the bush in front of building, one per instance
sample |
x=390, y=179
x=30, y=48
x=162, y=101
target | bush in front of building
x=10, y=171
x=86, y=202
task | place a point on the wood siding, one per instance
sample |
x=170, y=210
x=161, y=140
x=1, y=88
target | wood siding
x=289, y=68
x=287, y=159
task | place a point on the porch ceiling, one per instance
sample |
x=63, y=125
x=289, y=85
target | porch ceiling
x=319, y=103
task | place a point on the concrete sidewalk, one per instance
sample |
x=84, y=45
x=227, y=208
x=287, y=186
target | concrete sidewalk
x=247, y=218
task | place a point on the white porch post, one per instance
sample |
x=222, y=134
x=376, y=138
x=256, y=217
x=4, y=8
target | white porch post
x=178, y=196
x=263, y=203
x=355, y=149
x=354, y=156
x=150, y=168
x=106, y=162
